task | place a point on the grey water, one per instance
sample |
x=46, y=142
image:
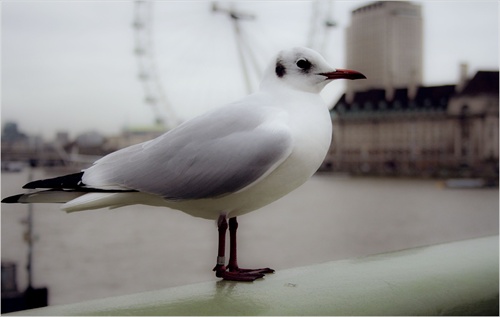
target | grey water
x=101, y=253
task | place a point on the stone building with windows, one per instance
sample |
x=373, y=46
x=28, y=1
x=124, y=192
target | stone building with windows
x=391, y=123
x=449, y=130
x=475, y=111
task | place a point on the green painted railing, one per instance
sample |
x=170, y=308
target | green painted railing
x=459, y=278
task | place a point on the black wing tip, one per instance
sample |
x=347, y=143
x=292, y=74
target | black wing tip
x=34, y=184
x=66, y=181
x=12, y=199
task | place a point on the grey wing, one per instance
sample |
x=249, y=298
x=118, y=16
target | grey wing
x=208, y=157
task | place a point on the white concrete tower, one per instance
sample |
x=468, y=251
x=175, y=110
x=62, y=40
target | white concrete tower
x=385, y=42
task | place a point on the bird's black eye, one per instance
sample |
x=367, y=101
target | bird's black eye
x=303, y=63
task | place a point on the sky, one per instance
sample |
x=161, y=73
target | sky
x=70, y=65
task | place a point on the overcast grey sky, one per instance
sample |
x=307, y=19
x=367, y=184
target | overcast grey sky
x=69, y=65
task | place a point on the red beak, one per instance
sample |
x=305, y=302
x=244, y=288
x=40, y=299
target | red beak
x=344, y=73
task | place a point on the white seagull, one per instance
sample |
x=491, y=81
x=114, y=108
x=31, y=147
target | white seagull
x=222, y=164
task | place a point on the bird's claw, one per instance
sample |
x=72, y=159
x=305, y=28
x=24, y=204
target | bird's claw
x=241, y=275
x=263, y=270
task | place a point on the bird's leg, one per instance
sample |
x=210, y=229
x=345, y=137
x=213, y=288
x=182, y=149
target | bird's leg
x=233, y=258
x=235, y=273
x=220, y=267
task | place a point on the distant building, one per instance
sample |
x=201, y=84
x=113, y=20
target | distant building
x=62, y=138
x=385, y=43
x=11, y=133
x=133, y=135
x=475, y=112
x=390, y=123
x=438, y=132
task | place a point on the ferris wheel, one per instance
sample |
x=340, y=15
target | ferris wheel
x=149, y=76
x=242, y=32
x=321, y=24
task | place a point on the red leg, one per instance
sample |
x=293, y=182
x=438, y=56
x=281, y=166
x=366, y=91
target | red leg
x=234, y=273
x=233, y=258
x=220, y=267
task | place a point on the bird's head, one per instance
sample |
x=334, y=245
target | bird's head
x=304, y=69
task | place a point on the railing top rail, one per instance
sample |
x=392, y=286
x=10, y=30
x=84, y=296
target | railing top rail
x=448, y=279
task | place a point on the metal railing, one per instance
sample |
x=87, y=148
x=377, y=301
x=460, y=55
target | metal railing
x=458, y=278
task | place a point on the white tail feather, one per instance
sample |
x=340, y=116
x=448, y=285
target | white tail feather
x=111, y=200
x=49, y=197
x=93, y=201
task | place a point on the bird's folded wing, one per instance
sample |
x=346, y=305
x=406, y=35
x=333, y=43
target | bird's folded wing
x=210, y=156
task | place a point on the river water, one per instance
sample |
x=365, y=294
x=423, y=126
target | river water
x=94, y=254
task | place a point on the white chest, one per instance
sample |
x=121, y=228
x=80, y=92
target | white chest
x=310, y=127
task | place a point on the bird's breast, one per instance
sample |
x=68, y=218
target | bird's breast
x=311, y=132
x=310, y=128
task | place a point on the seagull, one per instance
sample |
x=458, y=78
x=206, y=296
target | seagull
x=221, y=164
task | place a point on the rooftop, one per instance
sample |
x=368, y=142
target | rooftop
x=484, y=82
x=427, y=98
x=434, y=98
